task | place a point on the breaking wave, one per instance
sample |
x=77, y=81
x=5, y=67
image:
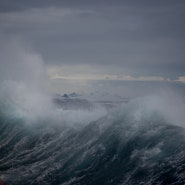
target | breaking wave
x=140, y=142
x=137, y=143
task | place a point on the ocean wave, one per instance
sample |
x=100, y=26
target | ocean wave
x=134, y=144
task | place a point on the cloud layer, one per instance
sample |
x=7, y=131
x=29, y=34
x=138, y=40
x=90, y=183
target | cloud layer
x=101, y=39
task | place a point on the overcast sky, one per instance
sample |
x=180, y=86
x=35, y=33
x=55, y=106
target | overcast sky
x=101, y=39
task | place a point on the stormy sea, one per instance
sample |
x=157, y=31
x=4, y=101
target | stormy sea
x=70, y=140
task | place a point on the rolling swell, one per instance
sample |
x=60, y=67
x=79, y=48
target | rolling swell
x=120, y=148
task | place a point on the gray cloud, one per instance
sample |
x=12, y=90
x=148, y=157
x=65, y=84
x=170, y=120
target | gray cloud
x=131, y=37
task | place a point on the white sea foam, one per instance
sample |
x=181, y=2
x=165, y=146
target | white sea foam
x=23, y=94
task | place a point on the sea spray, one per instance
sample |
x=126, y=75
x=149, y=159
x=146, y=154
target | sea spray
x=140, y=142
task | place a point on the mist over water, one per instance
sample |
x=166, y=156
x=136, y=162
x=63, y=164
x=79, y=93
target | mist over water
x=170, y=105
x=41, y=142
x=23, y=82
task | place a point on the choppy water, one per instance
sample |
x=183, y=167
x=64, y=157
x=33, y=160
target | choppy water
x=124, y=147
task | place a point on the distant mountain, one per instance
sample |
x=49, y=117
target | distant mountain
x=74, y=95
x=71, y=102
x=75, y=101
